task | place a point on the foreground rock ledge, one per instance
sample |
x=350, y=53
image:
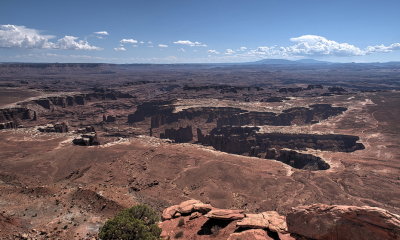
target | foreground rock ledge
x=197, y=220
x=193, y=219
x=321, y=221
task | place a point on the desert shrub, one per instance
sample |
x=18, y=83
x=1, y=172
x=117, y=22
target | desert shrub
x=179, y=234
x=181, y=222
x=138, y=222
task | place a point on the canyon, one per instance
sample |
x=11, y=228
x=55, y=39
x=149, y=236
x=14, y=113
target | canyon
x=80, y=142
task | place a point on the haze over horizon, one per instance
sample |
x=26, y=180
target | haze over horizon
x=223, y=31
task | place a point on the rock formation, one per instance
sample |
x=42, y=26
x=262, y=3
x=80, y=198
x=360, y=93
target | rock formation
x=202, y=219
x=162, y=112
x=87, y=129
x=195, y=219
x=247, y=141
x=58, y=127
x=338, y=222
x=180, y=135
x=15, y=115
x=88, y=139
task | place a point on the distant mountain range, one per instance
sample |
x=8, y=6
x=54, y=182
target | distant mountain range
x=311, y=62
x=299, y=62
x=284, y=61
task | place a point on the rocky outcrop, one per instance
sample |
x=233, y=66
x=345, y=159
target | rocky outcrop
x=336, y=222
x=266, y=220
x=203, y=219
x=88, y=139
x=7, y=125
x=185, y=208
x=16, y=114
x=180, y=135
x=149, y=109
x=225, y=214
x=64, y=101
x=87, y=129
x=13, y=117
x=58, y=127
x=316, y=221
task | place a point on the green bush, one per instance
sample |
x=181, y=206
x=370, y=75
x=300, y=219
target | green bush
x=138, y=222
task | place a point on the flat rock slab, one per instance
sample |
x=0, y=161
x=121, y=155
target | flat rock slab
x=225, y=214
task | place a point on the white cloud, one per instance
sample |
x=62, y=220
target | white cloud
x=12, y=36
x=317, y=45
x=130, y=40
x=313, y=45
x=181, y=50
x=242, y=49
x=118, y=49
x=162, y=45
x=213, y=51
x=103, y=33
x=229, y=51
x=190, y=43
x=72, y=43
x=383, y=48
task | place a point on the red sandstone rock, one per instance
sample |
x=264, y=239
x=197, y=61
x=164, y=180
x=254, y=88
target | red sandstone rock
x=321, y=221
x=225, y=214
x=202, y=207
x=271, y=220
x=276, y=222
x=185, y=208
x=252, y=234
x=194, y=215
x=169, y=212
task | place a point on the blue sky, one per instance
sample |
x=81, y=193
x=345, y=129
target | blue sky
x=172, y=31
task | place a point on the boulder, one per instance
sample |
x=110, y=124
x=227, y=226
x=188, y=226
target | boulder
x=253, y=221
x=276, y=222
x=225, y=214
x=252, y=234
x=321, y=221
x=202, y=207
x=169, y=212
x=267, y=220
x=185, y=208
